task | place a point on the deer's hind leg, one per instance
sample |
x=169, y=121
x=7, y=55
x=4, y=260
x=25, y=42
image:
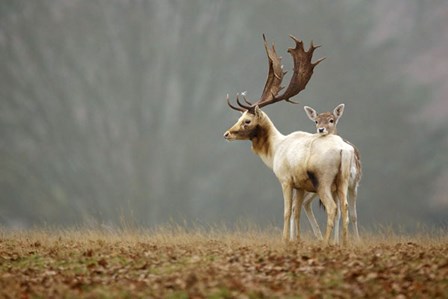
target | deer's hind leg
x=338, y=219
x=330, y=207
x=343, y=206
x=353, y=194
x=308, y=200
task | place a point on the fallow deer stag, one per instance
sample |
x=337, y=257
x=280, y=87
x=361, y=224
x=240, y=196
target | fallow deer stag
x=302, y=162
x=326, y=123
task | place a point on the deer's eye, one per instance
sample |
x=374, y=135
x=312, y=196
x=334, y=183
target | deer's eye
x=316, y=122
x=247, y=121
x=331, y=121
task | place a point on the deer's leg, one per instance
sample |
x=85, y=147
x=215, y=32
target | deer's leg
x=297, y=207
x=353, y=194
x=338, y=220
x=342, y=196
x=293, y=228
x=307, y=201
x=330, y=207
x=287, y=200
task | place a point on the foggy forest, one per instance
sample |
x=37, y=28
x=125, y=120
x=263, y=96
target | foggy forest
x=113, y=111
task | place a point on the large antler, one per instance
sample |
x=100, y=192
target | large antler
x=303, y=70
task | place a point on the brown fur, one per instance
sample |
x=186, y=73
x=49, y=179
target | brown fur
x=261, y=145
x=357, y=161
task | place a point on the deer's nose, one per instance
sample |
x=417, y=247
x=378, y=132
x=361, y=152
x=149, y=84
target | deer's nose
x=226, y=134
x=321, y=130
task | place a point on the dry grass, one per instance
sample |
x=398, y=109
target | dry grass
x=217, y=263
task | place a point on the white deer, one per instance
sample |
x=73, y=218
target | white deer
x=302, y=162
x=326, y=123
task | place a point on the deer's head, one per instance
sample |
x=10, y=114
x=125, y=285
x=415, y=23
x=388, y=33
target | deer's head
x=248, y=125
x=252, y=118
x=325, y=122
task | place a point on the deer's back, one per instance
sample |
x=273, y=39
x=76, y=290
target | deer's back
x=303, y=157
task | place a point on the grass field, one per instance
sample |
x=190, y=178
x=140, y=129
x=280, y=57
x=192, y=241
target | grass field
x=175, y=263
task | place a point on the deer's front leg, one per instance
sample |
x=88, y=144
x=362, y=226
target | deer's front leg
x=287, y=200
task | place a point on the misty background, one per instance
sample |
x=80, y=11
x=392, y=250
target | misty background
x=114, y=110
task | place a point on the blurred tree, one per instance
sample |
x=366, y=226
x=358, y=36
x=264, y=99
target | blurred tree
x=115, y=110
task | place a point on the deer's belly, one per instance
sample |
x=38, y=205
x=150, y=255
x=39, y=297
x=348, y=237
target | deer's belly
x=305, y=184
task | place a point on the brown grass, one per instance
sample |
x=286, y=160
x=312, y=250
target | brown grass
x=218, y=263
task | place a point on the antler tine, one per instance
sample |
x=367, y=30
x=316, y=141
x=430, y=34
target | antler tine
x=247, y=101
x=303, y=69
x=318, y=61
x=275, y=75
x=233, y=107
x=241, y=104
x=292, y=102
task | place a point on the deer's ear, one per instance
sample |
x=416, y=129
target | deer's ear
x=338, y=111
x=312, y=114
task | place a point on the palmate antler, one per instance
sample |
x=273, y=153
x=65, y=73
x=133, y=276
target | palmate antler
x=303, y=70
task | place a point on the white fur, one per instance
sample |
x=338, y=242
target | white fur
x=355, y=175
x=292, y=157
